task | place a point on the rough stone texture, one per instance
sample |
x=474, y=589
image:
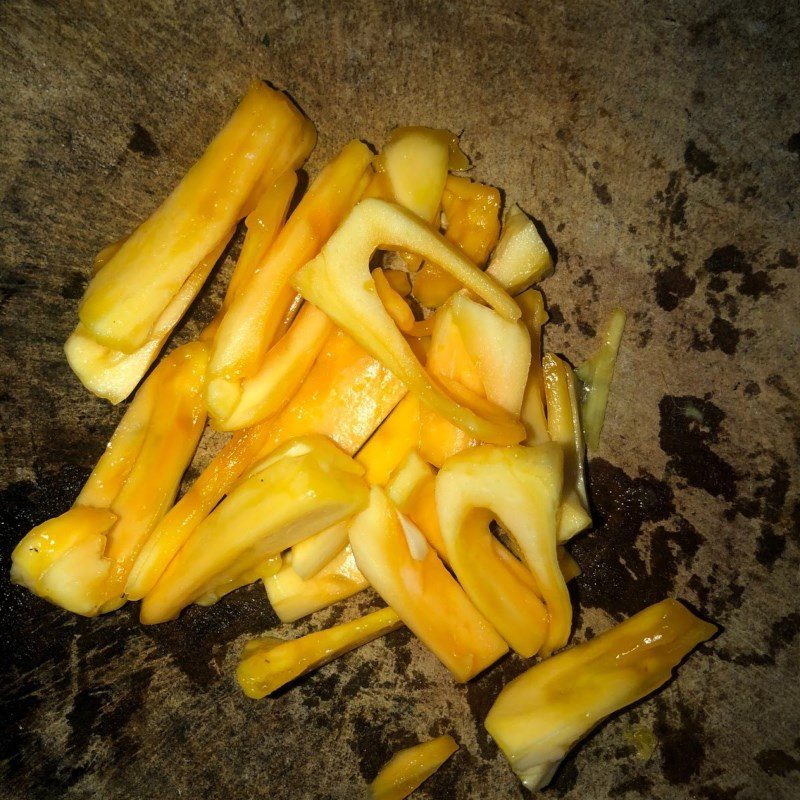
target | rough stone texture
x=658, y=144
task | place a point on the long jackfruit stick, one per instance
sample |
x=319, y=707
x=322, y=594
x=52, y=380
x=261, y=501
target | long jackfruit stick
x=266, y=136
x=90, y=549
x=521, y=486
x=346, y=396
x=338, y=282
x=564, y=427
x=302, y=488
x=400, y=565
x=112, y=374
x=269, y=663
x=521, y=258
x=532, y=414
x=410, y=768
x=543, y=713
x=292, y=597
x=473, y=224
x=248, y=328
x=595, y=375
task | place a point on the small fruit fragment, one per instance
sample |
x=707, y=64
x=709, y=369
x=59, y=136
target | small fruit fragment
x=521, y=258
x=409, y=768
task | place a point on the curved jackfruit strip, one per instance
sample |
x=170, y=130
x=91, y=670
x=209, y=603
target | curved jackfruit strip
x=564, y=427
x=400, y=565
x=345, y=396
x=247, y=331
x=543, y=713
x=92, y=548
x=312, y=554
x=300, y=489
x=521, y=258
x=472, y=211
x=338, y=282
x=269, y=663
x=595, y=376
x=532, y=413
x=292, y=597
x=521, y=486
x=112, y=374
x=410, y=768
x=266, y=136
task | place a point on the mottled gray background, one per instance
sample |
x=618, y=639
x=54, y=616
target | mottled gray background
x=659, y=144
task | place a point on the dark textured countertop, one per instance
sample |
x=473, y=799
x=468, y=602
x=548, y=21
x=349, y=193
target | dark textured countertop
x=659, y=144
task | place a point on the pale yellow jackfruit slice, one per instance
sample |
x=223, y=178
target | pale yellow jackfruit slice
x=521, y=257
x=543, y=713
x=302, y=488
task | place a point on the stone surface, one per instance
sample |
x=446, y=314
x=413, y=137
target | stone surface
x=658, y=144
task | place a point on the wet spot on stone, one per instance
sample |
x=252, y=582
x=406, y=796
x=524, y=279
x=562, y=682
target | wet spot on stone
x=713, y=791
x=778, y=383
x=786, y=260
x=554, y=312
x=680, y=742
x=697, y=161
x=617, y=575
x=777, y=762
x=782, y=635
x=673, y=199
x=587, y=280
x=727, y=259
x=689, y=426
x=672, y=286
x=370, y=745
x=770, y=546
x=197, y=641
x=142, y=142
x=601, y=192
x=639, y=785
x=752, y=389
x=72, y=288
x=586, y=329
x=757, y=284
x=724, y=335
x=793, y=143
